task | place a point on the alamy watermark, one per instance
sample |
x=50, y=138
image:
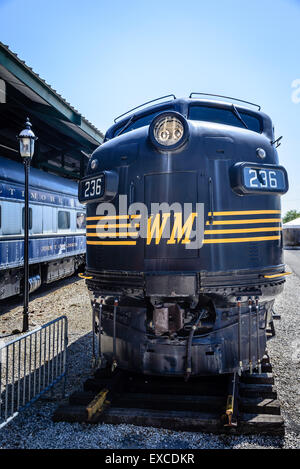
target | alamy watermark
x=296, y=91
x=175, y=223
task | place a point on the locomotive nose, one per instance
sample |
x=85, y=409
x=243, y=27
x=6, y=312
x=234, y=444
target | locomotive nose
x=192, y=245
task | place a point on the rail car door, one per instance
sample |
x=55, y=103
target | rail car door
x=171, y=188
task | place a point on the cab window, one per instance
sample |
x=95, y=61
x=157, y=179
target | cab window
x=224, y=116
x=139, y=122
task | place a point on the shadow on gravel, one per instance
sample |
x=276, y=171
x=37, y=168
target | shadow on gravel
x=21, y=380
x=79, y=362
x=13, y=302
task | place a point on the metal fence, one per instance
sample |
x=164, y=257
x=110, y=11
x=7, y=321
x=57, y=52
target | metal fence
x=31, y=365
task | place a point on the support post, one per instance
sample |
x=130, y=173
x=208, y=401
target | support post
x=26, y=246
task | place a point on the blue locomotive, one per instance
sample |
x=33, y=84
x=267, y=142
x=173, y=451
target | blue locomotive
x=56, y=228
x=184, y=237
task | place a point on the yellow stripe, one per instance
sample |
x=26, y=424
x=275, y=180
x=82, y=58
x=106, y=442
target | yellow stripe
x=116, y=217
x=243, y=230
x=277, y=275
x=241, y=222
x=111, y=235
x=112, y=243
x=84, y=276
x=240, y=240
x=244, y=212
x=121, y=225
x=226, y=213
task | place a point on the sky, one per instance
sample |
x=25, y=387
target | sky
x=105, y=57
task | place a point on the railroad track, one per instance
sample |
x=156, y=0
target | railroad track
x=216, y=404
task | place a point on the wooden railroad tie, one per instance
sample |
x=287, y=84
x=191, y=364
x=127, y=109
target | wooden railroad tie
x=215, y=404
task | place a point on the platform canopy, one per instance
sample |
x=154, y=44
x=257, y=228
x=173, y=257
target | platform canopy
x=292, y=224
x=65, y=138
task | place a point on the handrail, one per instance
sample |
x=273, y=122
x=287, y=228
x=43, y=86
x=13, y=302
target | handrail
x=33, y=331
x=226, y=97
x=141, y=105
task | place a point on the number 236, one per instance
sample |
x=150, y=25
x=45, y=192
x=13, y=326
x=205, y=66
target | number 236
x=92, y=188
x=268, y=177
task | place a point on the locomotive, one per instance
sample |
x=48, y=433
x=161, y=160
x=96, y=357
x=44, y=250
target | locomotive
x=184, y=237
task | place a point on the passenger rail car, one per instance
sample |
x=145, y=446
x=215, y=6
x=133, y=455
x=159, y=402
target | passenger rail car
x=184, y=237
x=56, y=228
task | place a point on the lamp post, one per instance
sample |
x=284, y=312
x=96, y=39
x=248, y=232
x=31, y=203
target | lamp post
x=26, y=140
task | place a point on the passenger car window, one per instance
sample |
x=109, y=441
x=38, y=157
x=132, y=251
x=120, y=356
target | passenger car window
x=63, y=220
x=224, y=116
x=11, y=218
x=80, y=220
x=30, y=218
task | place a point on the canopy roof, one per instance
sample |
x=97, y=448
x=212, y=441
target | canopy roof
x=65, y=137
x=13, y=172
x=292, y=224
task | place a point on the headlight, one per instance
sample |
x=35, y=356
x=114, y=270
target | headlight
x=168, y=130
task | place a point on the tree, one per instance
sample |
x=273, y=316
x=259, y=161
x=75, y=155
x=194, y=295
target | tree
x=290, y=215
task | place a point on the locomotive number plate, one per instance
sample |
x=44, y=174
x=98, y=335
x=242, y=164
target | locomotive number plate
x=264, y=179
x=254, y=178
x=91, y=189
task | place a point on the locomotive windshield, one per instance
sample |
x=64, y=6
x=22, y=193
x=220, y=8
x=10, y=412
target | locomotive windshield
x=218, y=115
x=140, y=122
x=224, y=116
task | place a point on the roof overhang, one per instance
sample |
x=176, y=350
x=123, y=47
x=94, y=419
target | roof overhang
x=63, y=132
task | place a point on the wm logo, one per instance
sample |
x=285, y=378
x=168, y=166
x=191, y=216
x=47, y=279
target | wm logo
x=159, y=227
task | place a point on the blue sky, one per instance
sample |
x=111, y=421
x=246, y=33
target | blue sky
x=105, y=57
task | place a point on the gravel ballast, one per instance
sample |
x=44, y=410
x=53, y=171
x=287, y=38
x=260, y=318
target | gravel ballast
x=34, y=429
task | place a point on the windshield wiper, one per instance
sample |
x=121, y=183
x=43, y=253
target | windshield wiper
x=237, y=114
x=125, y=126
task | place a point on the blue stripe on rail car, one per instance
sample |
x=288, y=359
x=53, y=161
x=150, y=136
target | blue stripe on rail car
x=40, y=249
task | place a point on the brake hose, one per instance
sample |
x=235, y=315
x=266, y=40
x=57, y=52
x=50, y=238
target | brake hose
x=195, y=326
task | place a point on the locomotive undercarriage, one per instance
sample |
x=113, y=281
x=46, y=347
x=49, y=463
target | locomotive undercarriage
x=214, y=331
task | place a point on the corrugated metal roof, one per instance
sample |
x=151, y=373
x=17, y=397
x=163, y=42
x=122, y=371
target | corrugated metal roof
x=44, y=83
x=14, y=172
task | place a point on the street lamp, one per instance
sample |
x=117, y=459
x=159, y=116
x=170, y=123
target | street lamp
x=26, y=140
